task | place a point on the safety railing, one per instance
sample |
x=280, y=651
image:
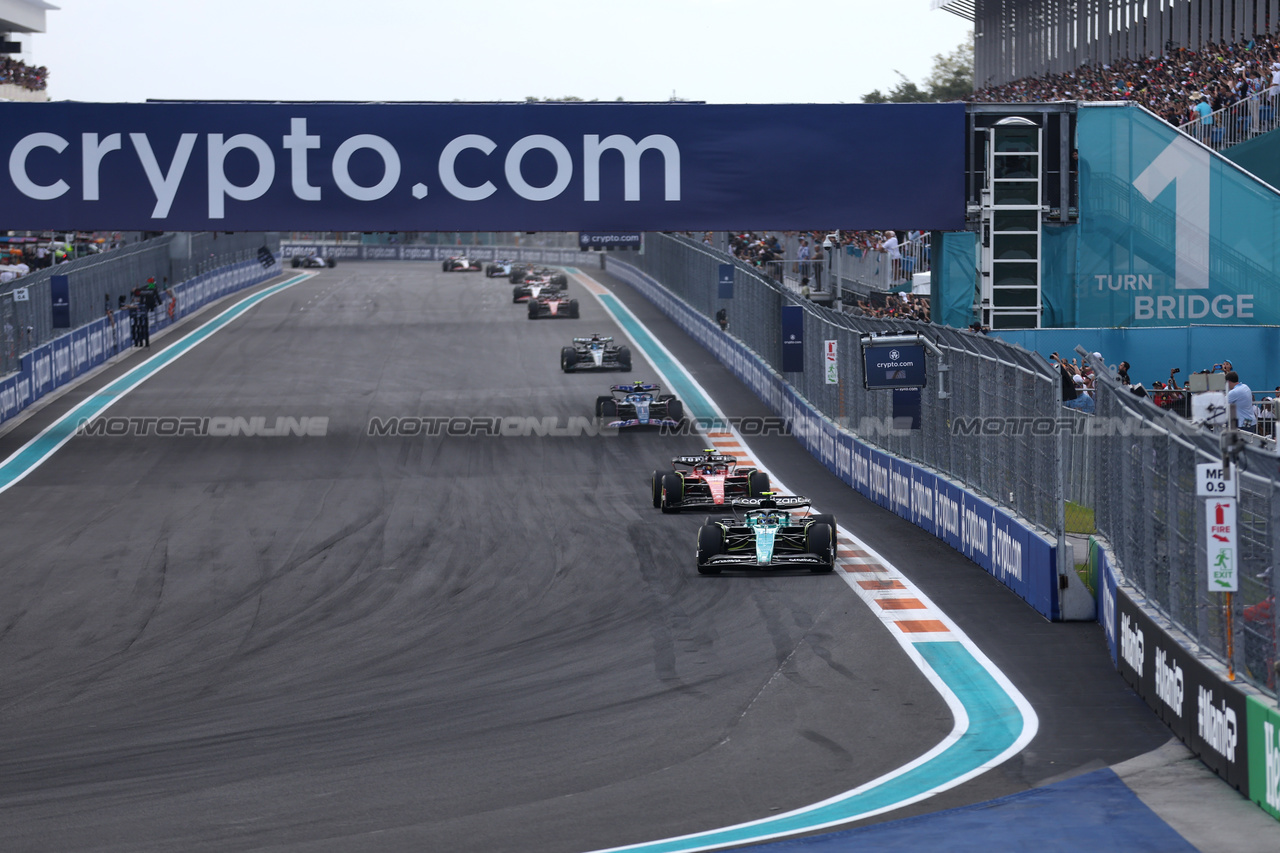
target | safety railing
x=1236, y=123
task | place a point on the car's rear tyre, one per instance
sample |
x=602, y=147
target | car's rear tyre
x=757, y=483
x=624, y=359
x=656, y=481
x=672, y=492
x=516, y=294
x=295, y=263
x=675, y=410
x=609, y=409
x=568, y=358
x=560, y=279
x=600, y=401
x=710, y=544
x=330, y=263
x=820, y=540
x=573, y=309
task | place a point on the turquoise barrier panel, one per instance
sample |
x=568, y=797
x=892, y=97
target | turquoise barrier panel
x=954, y=277
x=1260, y=155
x=1170, y=233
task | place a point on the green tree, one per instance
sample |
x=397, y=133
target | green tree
x=950, y=80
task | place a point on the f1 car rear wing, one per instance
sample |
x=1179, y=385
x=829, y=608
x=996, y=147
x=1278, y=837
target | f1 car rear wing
x=607, y=340
x=708, y=459
x=639, y=386
x=793, y=502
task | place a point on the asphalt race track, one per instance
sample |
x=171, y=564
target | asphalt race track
x=486, y=643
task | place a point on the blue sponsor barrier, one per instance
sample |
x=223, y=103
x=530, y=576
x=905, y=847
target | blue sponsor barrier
x=1010, y=549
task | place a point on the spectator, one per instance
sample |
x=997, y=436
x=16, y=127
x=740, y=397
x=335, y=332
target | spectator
x=890, y=247
x=1122, y=374
x=1240, y=396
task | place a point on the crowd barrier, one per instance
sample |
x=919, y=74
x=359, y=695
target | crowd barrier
x=54, y=364
x=1008, y=548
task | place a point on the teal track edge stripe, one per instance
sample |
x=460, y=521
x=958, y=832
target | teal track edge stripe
x=695, y=402
x=32, y=454
x=994, y=725
x=995, y=722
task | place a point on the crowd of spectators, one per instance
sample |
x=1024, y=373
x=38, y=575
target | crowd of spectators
x=896, y=306
x=18, y=73
x=1171, y=85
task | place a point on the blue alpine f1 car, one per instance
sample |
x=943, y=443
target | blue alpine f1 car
x=639, y=404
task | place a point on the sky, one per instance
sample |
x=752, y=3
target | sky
x=719, y=51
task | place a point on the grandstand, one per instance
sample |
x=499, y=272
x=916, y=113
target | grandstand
x=20, y=80
x=1015, y=39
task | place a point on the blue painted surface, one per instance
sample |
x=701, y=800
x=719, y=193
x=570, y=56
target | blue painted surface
x=1093, y=812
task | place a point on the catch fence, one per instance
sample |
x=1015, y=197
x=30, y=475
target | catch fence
x=97, y=283
x=1015, y=467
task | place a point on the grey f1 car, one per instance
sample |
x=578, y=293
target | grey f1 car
x=770, y=535
x=595, y=353
x=311, y=262
x=460, y=263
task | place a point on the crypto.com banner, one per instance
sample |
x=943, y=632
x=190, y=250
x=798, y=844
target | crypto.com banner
x=533, y=167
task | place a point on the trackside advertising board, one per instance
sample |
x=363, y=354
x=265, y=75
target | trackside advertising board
x=1009, y=549
x=56, y=363
x=1205, y=712
x=491, y=167
x=1264, y=755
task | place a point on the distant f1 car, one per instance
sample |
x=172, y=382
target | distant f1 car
x=519, y=274
x=460, y=263
x=497, y=269
x=532, y=288
x=553, y=303
x=311, y=262
x=639, y=404
x=712, y=480
x=769, y=536
x=595, y=353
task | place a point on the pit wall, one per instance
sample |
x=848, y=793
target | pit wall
x=52, y=365
x=1232, y=728
x=1005, y=546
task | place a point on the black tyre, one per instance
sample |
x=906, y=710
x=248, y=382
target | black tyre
x=330, y=263
x=533, y=310
x=517, y=276
x=560, y=279
x=600, y=401
x=444, y=267
x=516, y=294
x=710, y=544
x=829, y=520
x=295, y=263
x=820, y=540
x=573, y=309
x=672, y=492
x=609, y=409
x=757, y=484
x=568, y=358
x=624, y=359
x=675, y=410
x=656, y=482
